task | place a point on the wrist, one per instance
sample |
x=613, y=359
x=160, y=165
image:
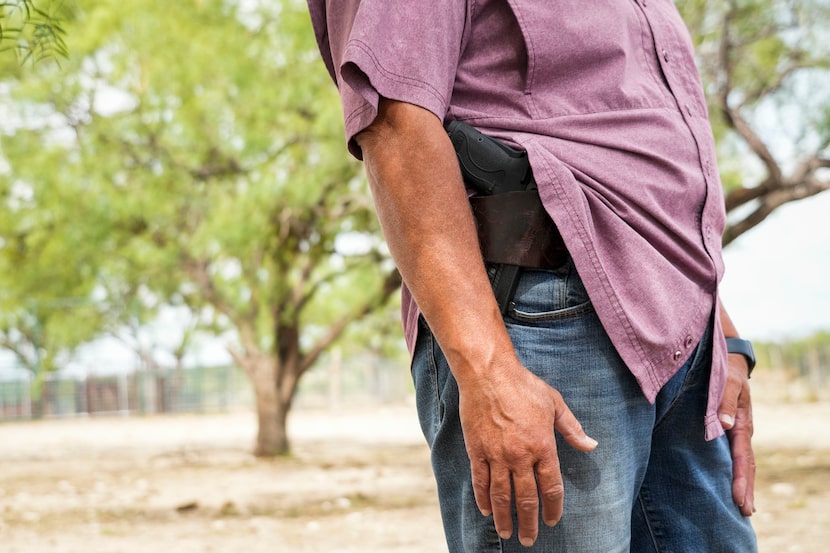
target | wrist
x=482, y=359
x=739, y=346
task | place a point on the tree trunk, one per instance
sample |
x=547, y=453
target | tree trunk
x=272, y=412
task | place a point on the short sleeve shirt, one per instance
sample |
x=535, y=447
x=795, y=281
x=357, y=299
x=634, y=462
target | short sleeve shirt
x=608, y=103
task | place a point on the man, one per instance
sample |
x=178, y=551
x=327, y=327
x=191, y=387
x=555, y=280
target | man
x=624, y=337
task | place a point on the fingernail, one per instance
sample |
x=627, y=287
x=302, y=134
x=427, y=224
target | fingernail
x=527, y=542
x=590, y=442
x=552, y=522
x=505, y=535
x=727, y=420
x=486, y=513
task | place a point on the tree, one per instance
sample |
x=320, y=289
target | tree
x=35, y=34
x=46, y=260
x=763, y=64
x=206, y=140
x=191, y=154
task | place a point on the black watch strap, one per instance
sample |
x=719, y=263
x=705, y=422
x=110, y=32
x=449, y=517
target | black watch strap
x=744, y=347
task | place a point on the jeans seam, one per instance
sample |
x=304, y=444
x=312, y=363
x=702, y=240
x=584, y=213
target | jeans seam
x=433, y=373
x=641, y=501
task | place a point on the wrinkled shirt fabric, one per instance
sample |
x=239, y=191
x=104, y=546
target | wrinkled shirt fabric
x=608, y=102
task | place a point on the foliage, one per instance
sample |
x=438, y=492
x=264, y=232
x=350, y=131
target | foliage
x=797, y=349
x=807, y=359
x=201, y=164
x=36, y=34
x=47, y=260
x=763, y=64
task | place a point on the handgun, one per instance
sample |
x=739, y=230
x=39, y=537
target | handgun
x=491, y=167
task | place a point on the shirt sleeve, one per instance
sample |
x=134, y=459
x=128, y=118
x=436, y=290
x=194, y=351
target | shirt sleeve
x=397, y=49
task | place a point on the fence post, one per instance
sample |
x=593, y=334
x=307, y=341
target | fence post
x=27, y=397
x=229, y=384
x=335, y=386
x=123, y=400
x=150, y=403
x=82, y=391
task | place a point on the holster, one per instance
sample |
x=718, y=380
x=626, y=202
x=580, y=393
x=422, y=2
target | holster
x=515, y=229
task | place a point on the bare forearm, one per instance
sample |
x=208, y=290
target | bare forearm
x=729, y=329
x=423, y=210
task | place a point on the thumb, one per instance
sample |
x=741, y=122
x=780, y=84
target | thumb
x=729, y=406
x=570, y=429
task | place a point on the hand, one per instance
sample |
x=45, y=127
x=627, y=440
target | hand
x=735, y=414
x=508, y=423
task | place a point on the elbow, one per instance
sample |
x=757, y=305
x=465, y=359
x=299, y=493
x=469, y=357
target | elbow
x=396, y=125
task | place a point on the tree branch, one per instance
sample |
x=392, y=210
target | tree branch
x=739, y=124
x=391, y=283
x=744, y=195
x=773, y=200
x=15, y=349
x=772, y=87
x=198, y=271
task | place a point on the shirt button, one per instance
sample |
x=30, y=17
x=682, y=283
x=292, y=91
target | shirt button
x=689, y=341
x=677, y=355
x=666, y=55
x=689, y=110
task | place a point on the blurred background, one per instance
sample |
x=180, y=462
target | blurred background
x=199, y=337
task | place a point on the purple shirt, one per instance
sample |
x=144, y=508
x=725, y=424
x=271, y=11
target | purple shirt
x=608, y=103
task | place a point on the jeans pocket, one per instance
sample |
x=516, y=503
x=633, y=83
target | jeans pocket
x=547, y=296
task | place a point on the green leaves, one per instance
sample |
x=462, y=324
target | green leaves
x=190, y=154
x=35, y=34
x=764, y=65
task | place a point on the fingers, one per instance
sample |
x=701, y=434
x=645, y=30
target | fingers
x=735, y=414
x=498, y=488
x=480, y=472
x=526, y=492
x=743, y=494
x=527, y=506
x=527, y=503
x=743, y=462
x=550, y=489
x=743, y=480
x=749, y=496
x=500, y=499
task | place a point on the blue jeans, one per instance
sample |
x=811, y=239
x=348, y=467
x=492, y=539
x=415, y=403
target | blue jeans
x=652, y=485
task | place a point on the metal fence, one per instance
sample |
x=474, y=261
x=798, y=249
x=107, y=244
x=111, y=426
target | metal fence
x=171, y=391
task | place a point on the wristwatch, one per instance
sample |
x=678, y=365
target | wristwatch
x=744, y=347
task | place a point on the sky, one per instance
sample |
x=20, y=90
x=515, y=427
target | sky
x=777, y=282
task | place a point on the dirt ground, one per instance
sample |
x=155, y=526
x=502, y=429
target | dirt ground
x=359, y=481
